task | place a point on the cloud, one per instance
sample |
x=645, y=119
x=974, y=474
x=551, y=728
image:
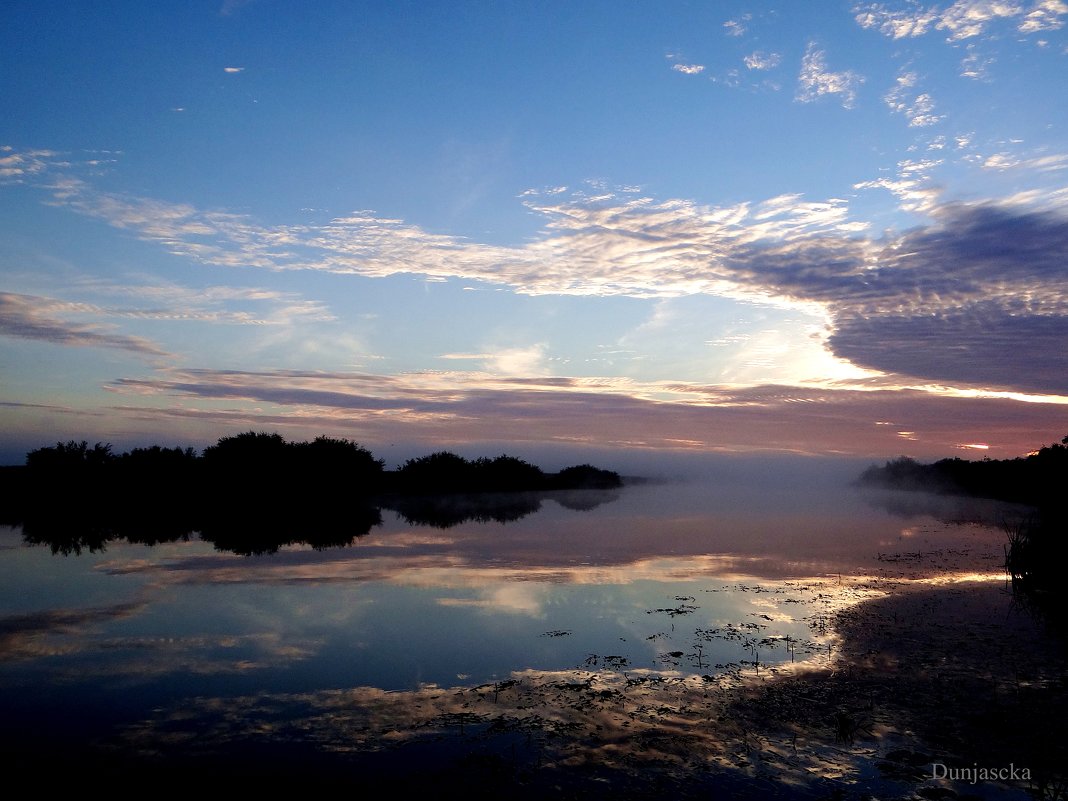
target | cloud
x=996, y=261
x=918, y=108
x=1047, y=15
x=896, y=24
x=529, y=361
x=30, y=317
x=760, y=60
x=210, y=304
x=523, y=361
x=912, y=185
x=964, y=19
x=975, y=66
x=30, y=636
x=980, y=300
x=48, y=319
x=18, y=165
x=233, y=70
x=816, y=80
x=441, y=408
x=1005, y=161
x=604, y=244
x=688, y=69
x=971, y=347
x=736, y=27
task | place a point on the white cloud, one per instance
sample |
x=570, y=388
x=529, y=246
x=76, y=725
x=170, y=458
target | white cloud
x=528, y=361
x=736, y=27
x=759, y=60
x=521, y=361
x=1046, y=16
x=816, y=80
x=1005, y=161
x=17, y=165
x=967, y=18
x=896, y=24
x=964, y=19
x=688, y=69
x=912, y=186
x=974, y=65
x=233, y=70
x=917, y=108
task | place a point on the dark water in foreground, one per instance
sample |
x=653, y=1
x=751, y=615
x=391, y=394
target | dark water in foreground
x=135, y=652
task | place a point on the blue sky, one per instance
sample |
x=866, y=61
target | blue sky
x=817, y=228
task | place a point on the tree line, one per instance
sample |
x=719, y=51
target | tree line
x=1036, y=554
x=256, y=491
x=1037, y=479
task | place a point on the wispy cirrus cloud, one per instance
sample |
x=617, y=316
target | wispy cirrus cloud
x=439, y=408
x=1046, y=163
x=816, y=80
x=34, y=317
x=211, y=304
x=737, y=26
x=85, y=323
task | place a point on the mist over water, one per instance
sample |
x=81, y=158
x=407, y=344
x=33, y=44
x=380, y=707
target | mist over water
x=706, y=566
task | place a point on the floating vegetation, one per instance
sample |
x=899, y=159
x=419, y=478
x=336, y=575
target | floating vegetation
x=681, y=609
x=608, y=662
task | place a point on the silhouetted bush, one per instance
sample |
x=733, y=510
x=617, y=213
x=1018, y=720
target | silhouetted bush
x=327, y=465
x=441, y=471
x=585, y=476
x=505, y=474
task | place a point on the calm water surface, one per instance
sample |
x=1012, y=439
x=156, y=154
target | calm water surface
x=683, y=577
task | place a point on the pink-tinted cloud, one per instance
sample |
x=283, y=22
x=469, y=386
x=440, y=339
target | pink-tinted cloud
x=440, y=409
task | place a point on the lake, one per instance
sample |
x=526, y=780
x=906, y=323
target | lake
x=547, y=651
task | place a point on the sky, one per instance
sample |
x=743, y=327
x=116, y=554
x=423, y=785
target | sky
x=828, y=228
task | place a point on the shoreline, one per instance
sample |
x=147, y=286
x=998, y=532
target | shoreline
x=926, y=682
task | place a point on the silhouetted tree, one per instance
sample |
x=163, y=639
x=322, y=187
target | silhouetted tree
x=70, y=456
